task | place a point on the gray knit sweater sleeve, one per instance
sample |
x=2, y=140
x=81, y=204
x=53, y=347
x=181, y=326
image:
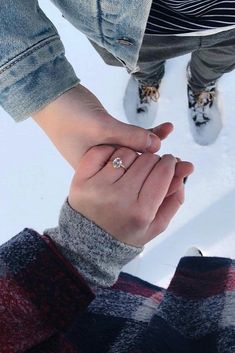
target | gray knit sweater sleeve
x=96, y=254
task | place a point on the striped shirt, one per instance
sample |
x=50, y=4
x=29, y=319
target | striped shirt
x=184, y=16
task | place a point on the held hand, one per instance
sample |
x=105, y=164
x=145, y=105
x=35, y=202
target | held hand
x=134, y=205
x=76, y=121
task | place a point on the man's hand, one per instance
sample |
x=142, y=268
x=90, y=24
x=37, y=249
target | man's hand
x=133, y=205
x=76, y=121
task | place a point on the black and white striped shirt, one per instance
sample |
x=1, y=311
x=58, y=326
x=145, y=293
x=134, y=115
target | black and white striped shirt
x=185, y=16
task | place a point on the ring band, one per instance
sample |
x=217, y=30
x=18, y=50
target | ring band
x=117, y=163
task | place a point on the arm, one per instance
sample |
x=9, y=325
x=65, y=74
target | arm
x=97, y=255
x=37, y=80
x=111, y=214
x=41, y=293
x=77, y=121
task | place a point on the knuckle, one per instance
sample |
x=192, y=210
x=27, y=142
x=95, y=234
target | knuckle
x=139, y=138
x=152, y=156
x=169, y=158
x=140, y=218
x=168, y=163
x=150, y=159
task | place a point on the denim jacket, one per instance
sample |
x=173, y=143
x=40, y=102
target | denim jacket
x=33, y=67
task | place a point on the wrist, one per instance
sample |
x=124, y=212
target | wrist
x=70, y=122
x=95, y=253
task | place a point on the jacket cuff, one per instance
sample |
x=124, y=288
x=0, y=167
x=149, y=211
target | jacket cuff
x=35, y=78
x=95, y=253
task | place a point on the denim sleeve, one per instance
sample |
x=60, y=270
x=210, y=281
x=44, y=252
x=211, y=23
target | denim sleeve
x=33, y=67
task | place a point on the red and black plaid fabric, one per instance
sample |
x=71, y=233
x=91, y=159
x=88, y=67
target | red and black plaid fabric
x=46, y=306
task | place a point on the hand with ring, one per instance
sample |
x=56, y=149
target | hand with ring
x=131, y=196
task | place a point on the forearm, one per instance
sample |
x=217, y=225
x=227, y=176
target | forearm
x=66, y=122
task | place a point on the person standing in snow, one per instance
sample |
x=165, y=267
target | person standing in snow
x=37, y=80
x=206, y=29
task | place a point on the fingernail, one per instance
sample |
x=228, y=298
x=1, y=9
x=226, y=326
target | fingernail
x=171, y=156
x=152, y=142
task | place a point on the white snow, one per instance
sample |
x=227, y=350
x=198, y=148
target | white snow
x=34, y=178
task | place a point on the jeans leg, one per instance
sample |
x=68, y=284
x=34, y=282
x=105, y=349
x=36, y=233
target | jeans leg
x=150, y=73
x=155, y=50
x=209, y=64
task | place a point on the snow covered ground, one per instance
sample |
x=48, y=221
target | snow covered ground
x=34, y=179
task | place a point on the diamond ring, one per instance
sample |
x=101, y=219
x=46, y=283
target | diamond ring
x=117, y=163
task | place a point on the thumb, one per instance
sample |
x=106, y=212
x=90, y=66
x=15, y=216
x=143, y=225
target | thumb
x=163, y=130
x=134, y=137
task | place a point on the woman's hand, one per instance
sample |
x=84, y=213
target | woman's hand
x=77, y=121
x=134, y=205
